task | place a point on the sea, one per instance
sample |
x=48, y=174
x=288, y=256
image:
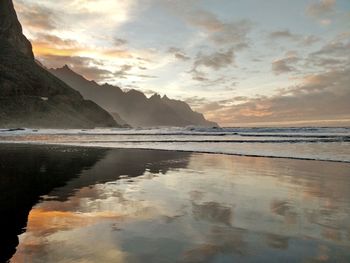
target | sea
x=307, y=143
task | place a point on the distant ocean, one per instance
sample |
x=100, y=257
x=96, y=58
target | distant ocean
x=313, y=143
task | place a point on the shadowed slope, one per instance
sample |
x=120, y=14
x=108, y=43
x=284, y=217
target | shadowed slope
x=133, y=106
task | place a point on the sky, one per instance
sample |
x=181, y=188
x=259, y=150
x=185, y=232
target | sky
x=240, y=62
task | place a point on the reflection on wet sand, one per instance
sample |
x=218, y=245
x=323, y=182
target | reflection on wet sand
x=156, y=206
x=26, y=173
x=30, y=173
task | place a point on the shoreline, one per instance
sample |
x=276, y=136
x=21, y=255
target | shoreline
x=172, y=150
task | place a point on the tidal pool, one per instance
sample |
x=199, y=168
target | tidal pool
x=75, y=204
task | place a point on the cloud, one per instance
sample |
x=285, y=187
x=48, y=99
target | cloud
x=286, y=64
x=54, y=40
x=212, y=106
x=281, y=66
x=119, y=42
x=319, y=98
x=216, y=60
x=322, y=10
x=178, y=53
x=219, y=32
x=336, y=48
x=181, y=56
x=49, y=44
x=35, y=16
x=125, y=71
x=75, y=18
x=336, y=53
x=240, y=98
x=205, y=20
x=289, y=36
x=208, y=83
x=282, y=34
x=196, y=101
x=309, y=40
x=199, y=76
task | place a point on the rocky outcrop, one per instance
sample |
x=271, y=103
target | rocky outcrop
x=133, y=106
x=30, y=96
x=184, y=110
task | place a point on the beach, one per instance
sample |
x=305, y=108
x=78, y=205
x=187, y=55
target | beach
x=95, y=204
x=174, y=131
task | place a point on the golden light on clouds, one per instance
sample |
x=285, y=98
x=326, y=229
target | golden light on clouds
x=48, y=48
x=44, y=49
x=42, y=222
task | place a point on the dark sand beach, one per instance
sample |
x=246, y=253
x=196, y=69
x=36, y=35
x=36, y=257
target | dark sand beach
x=76, y=204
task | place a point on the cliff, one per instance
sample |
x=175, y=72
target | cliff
x=133, y=106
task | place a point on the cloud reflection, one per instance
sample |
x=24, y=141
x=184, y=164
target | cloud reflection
x=210, y=208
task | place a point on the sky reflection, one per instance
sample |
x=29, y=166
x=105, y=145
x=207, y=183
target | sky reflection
x=197, y=208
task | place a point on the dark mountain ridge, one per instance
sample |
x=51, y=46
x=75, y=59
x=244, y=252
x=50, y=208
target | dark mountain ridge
x=133, y=106
x=30, y=96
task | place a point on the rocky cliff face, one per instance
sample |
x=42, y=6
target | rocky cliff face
x=133, y=106
x=11, y=29
x=30, y=96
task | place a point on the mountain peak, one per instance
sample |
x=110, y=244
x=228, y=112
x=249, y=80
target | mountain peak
x=155, y=96
x=135, y=108
x=134, y=91
x=66, y=70
x=66, y=67
x=11, y=29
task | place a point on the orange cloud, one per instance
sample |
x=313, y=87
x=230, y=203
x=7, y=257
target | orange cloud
x=255, y=113
x=43, y=222
x=44, y=49
x=53, y=45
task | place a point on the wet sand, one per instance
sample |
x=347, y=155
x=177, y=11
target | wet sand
x=76, y=204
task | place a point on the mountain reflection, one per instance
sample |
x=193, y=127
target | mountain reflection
x=30, y=173
x=26, y=173
x=135, y=206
